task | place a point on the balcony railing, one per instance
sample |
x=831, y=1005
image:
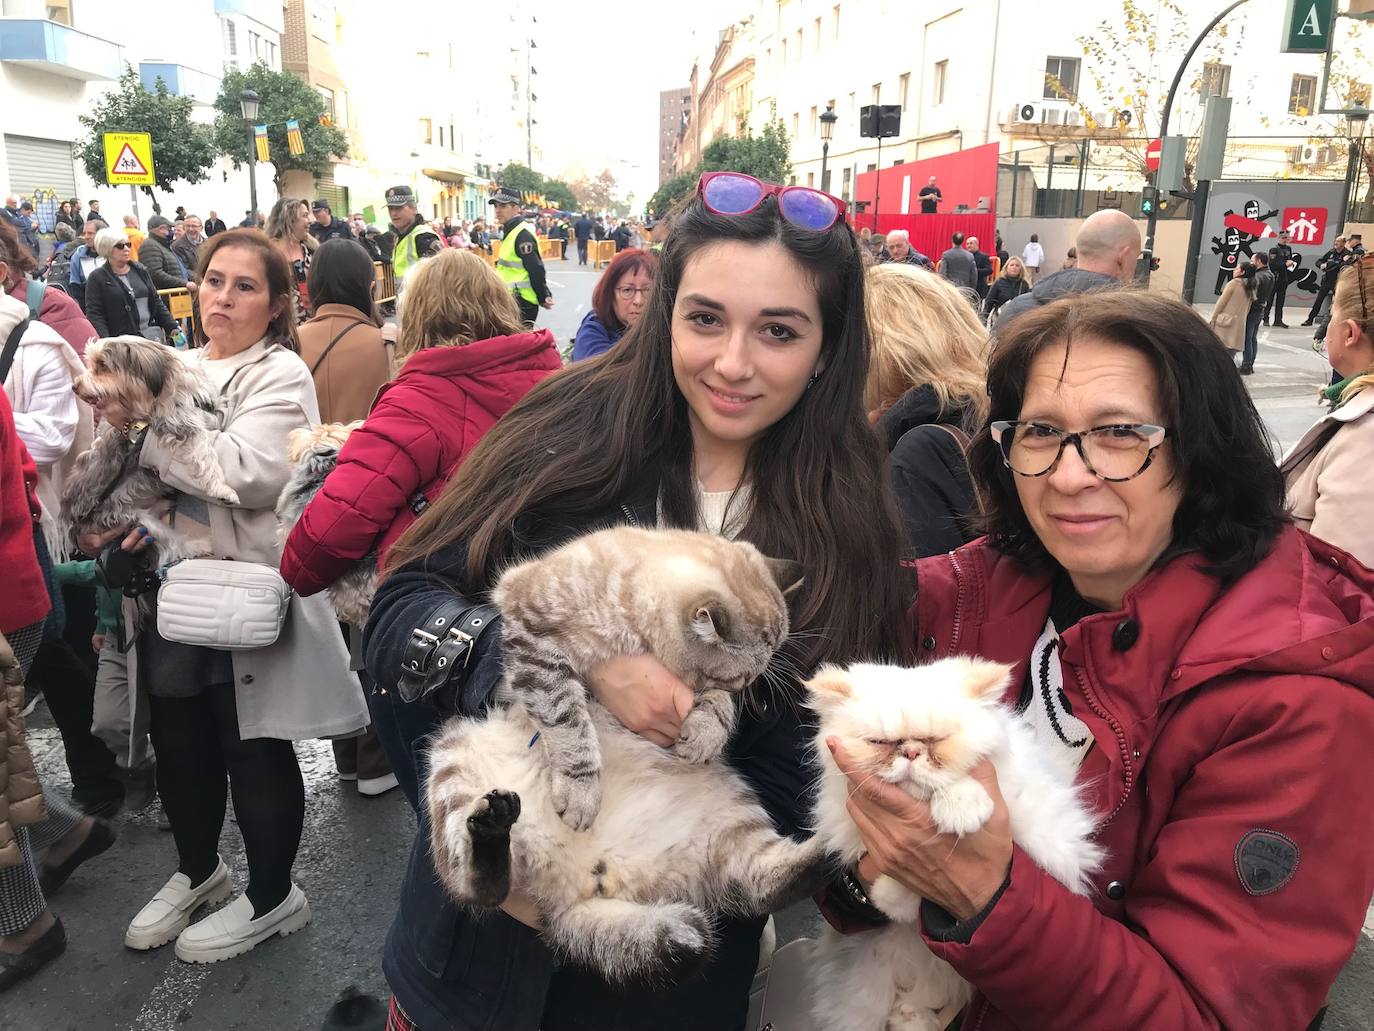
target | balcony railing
x=58, y=49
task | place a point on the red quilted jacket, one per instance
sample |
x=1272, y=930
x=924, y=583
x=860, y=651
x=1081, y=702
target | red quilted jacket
x=1231, y=771
x=421, y=426
x=24, y=600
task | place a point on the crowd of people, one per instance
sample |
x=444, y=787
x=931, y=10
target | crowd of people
x=1051, y=470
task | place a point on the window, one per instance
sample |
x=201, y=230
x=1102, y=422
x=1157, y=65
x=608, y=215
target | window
x=1216, y=80
x=426, y=131
x=877, y=92
x=796, y=126
x=1061, y=78
x=792, y=181
x=853, y=105
x=1302, y=95
x=328, y=96
x=937, y=85
x=899, y=161
x=815, y=124
x=871, y=168
x=229, y=31
x=844, y=188
x=798, y=50
x=835, y=20
x=811, y=179
x=816, y=43
x=60, y=11
x=784, y=51
x=441, y=135
x=903, y=89
x=341, y=110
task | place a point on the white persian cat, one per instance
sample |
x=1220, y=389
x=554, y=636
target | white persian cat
x=923, y=730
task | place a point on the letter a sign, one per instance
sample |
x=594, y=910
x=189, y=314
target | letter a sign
x=1307, y=26
x=128, y=159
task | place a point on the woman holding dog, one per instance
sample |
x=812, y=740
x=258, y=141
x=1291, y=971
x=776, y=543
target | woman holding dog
x=226, y=719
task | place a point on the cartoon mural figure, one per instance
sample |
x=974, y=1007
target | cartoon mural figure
x=1252, y=226
x=1228, y=247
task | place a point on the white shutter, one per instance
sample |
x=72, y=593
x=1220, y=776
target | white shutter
x=36, y=164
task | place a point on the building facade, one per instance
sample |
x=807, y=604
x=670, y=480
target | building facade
x=674, y=110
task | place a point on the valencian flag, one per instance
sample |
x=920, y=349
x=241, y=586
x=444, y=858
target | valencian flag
x=294, y=142
x=260, y=138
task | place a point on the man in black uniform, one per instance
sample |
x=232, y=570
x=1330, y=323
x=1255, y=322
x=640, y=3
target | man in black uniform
x=1330, y=265
x=1279, y=257
x=324, y=226
x=517, y=260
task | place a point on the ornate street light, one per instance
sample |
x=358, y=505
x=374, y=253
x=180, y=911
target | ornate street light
x=248, y=106
x=828, y=119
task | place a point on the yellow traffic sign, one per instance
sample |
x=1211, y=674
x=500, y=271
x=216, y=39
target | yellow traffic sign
x=128, y=159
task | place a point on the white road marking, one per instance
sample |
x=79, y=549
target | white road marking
x=172, y=997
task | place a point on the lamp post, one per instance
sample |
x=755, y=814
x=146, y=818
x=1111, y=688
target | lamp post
x=248, y=105
x=1356, y=119
x=828, y=119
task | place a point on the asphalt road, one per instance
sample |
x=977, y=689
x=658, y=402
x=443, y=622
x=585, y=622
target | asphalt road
x=353, y=851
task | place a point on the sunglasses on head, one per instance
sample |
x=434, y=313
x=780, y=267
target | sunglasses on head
x=734, y=193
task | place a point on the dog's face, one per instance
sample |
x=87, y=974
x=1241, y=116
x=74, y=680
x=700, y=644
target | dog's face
x=322, y=439
x=126, y=373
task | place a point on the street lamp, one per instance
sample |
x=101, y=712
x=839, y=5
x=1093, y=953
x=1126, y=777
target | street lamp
x=1356, y=119
x=828, y=120
x=248, y=105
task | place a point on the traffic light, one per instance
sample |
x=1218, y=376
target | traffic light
x=1148, y=197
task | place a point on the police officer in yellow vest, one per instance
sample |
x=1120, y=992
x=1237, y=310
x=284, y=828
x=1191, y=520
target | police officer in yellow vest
x=412, y=237
x=518, y=261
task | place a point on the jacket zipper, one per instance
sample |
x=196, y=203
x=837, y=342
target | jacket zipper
x=958, y=602
x=629, y=514
x=982, y=1013
x=1102, y=713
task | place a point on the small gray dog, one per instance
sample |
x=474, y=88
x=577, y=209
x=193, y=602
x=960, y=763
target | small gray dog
x=108, y=488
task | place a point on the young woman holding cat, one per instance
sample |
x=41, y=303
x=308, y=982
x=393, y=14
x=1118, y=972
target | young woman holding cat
x=734, y=405
x=1204, y=667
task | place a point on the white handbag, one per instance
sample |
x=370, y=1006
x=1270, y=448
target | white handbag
x=219, y=603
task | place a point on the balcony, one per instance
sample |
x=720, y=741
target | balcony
x=58, y=49
x=181, y=80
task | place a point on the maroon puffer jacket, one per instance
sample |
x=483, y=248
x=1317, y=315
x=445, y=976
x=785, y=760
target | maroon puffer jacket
x=60, y=312
x=1231, y=772
x=421, y=426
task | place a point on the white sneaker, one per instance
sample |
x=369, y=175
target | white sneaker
x=167, y=915
x=232, y=931
x=374, y=786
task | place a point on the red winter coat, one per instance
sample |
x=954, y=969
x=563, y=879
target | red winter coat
x=1215, y=714
x=24, y=601
x=60, y=312
x=423, y=423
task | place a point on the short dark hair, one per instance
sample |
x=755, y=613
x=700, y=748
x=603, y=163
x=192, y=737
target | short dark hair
x=626, y=263
x=341, y=272
x=1261, y=257
x=1232, y=506
x=958, y=238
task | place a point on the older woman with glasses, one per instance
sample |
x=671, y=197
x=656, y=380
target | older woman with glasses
x=618, y=300
x=1203, y=665
x=121, y=299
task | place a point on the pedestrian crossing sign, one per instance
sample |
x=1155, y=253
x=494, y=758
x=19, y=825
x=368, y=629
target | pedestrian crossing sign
x=129, y=159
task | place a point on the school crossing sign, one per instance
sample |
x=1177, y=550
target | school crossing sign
x=128, y=159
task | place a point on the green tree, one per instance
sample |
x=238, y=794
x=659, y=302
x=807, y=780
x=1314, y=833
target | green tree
x=520, y=178
x=559, y=194
x=282, y=95
x=182, y=149
x=765, y=156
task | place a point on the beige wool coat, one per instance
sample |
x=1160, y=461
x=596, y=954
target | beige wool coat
x=1234, y=302
x=347, y=381
x=1329, y=479
x=299, y=687
x=21, y=799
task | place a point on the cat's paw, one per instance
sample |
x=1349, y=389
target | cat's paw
x=576, y=800
x=961, y=808
x=909, y=1017
x=896, y=901
x=685, y=946
x=702, y=737
x=494, y=814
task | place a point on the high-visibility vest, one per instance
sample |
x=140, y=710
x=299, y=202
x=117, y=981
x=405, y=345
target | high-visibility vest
x=405, y=254
x=512, y=270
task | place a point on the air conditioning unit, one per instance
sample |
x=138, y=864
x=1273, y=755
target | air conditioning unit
x=1073, y=117
x=1053, y=116
x=1029, y=112
x=1309, y=154
x=1123, y=118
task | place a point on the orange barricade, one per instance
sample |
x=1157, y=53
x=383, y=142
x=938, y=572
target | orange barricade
x=181, y=308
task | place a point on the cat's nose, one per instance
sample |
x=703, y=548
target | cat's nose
x=912, y=751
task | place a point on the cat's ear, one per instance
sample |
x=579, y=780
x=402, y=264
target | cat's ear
x=830, y=687
x=786, y=574
x=711, y=622
x=984, y=680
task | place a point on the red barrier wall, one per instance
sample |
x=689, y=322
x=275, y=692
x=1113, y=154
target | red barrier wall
x=932, y=234
x=963, y=177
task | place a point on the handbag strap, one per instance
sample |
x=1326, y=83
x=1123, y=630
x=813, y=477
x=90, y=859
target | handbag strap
x=337, y=337
x=11, y=347
x=960, y=437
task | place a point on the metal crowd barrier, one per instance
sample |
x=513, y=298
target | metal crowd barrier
x=182, y=308
x=386, y=281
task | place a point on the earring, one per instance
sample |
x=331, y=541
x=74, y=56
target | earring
x=812, y=381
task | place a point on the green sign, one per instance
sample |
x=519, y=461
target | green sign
x=1307, y=26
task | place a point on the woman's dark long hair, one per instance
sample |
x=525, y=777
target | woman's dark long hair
x=342, y=273
x=1232, y=492
x=584, y=439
